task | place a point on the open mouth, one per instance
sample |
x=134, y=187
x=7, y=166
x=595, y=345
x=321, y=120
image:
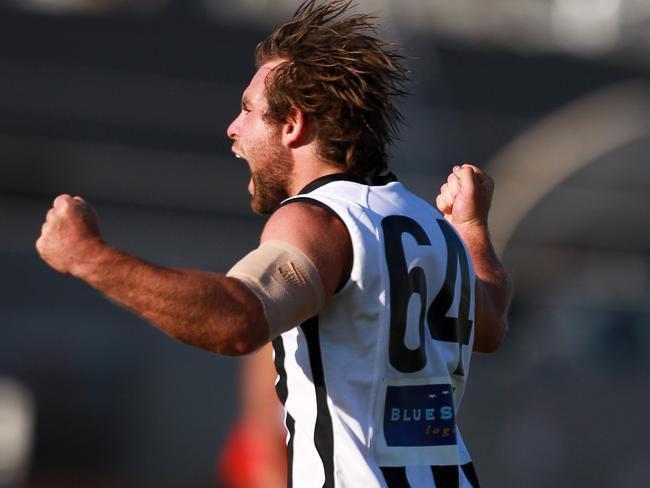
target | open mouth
x=251, y=183
x=237, y=154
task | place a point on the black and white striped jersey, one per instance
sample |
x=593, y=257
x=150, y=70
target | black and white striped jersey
x=371, y=386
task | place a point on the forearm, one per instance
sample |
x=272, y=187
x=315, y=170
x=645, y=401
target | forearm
x=487, y=264
x=202, y=309
x=493, y=290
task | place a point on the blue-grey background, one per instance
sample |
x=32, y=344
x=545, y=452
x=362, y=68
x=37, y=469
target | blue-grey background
x=126, y=103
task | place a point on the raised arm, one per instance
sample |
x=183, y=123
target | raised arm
x=202, y=309
x=207, y=310
x=465, y=201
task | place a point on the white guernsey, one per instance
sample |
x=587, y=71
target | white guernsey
x=372, y=384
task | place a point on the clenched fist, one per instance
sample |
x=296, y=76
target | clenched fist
x=70, y=235
x=466, y=196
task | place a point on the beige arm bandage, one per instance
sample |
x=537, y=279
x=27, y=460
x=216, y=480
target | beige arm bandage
x=286, y=282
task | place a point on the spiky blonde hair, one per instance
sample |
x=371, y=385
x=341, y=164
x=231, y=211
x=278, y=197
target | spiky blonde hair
x=343, y=77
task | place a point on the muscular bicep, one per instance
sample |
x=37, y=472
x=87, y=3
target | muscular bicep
x=320, y=235
x=304, y=255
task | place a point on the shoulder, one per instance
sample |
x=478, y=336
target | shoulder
x=300, y=219
x=319, y=233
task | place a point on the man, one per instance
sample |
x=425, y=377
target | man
x=371, y=299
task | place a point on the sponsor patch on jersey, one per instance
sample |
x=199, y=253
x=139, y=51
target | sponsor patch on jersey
x=419, y=415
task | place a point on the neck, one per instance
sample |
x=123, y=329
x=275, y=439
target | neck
x=307, y=169
x=300, y=183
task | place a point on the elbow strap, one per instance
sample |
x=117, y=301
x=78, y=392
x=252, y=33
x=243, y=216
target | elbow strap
x=285, y=281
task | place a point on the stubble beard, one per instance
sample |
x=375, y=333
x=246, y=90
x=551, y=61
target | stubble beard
x=272, y=179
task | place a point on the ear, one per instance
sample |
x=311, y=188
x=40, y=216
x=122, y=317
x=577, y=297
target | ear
x=294, y=130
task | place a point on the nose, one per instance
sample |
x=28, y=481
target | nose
x=233, y=129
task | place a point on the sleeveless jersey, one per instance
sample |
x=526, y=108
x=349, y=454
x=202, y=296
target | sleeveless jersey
x=371, y=386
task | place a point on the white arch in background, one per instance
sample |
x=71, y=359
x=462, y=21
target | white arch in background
x=17, y=425
x=544, y=156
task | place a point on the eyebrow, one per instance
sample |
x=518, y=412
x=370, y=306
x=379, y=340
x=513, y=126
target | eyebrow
x=245, y=102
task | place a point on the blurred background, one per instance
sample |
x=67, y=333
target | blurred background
x=126, y=103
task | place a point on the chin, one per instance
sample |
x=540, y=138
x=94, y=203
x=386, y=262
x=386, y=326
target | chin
x=262, y=207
